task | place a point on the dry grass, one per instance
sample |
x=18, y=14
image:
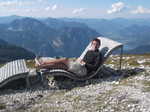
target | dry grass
x=2, y=106
x=30, y=63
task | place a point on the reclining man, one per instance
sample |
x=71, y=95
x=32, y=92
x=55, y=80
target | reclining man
x=89, y=63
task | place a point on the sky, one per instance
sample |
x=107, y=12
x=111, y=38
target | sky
x=76, y=8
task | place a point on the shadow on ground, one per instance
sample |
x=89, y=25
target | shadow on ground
x=107, y=74
x=60, y=82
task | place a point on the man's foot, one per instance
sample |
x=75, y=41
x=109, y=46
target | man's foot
x=38, y=61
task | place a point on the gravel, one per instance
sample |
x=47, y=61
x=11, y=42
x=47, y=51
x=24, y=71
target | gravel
x=127, y=90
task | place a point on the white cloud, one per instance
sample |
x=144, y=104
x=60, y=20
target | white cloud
x=75, y=11
x=39, y=0
x=47, y=8
x=141, y=10
x=116, y=7
x=54, y=7
x=30, y=10
x=15, y=3
x=8, y=3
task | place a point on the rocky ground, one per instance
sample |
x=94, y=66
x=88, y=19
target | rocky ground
x=127, y=90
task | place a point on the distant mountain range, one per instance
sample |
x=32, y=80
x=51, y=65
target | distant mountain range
x=69, y=36
x=9, y=52
x=48, y=38
x=144, y=49
x=131, y=32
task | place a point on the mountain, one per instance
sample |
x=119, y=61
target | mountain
x=130, y=32
x=139, y=50
x=108, y=27
x=59, y=24
x=104, y=26
x=52, y=36
x=137, y=35
x=8, y=19
x=9, y=52
x=46, y=38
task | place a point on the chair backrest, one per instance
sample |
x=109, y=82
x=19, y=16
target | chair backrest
x=106, y=48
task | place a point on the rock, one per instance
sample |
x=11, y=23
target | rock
x=115, y=91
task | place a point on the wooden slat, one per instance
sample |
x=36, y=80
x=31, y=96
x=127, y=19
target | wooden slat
x=12, y=64
x=8, y=67
x=12, y=68
x=3, y=73
x=0, y=74
x=25, y=67
x=16, y=67
x=19, y=67
x=9, y=70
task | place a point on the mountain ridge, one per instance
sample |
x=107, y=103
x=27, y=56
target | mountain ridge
x=43, y=39
x=54, y=34
x=9, y=52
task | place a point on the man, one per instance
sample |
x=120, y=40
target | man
x=90, y=62
x=93, y=58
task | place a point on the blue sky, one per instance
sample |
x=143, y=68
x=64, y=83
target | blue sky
x=76, y=8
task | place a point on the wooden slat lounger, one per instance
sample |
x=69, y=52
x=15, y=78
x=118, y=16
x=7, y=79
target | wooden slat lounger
x=12, y=71
x=107, y=47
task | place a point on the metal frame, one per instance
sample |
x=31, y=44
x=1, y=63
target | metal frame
x=121, y=55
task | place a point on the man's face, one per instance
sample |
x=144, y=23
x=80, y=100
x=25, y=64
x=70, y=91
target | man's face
x=95, y=45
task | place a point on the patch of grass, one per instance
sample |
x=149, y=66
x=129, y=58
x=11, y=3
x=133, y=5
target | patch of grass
x=146, y=87
x=146, y=55
x=133, y=62
x=132, y=101
x=146, y=83
x=138, y=55
x=30, y=63
x=2, y=106
x=76, y=99
x=146, y=63
x=127, y=82
x=2, y=65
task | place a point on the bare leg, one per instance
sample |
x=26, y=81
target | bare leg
x=54, y=63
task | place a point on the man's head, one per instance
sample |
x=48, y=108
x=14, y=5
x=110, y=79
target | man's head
x=95, y=44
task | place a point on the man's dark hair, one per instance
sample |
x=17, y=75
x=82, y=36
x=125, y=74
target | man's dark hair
x=97, y=40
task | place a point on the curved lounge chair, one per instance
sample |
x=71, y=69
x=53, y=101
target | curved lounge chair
x=12, y=71
x=107, y=47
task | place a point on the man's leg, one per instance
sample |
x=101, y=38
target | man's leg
x=54, y=63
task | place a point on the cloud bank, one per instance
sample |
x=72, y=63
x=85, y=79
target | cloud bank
x=116, y=7
x=141, y=10
x=75, y=11
x=54, y=7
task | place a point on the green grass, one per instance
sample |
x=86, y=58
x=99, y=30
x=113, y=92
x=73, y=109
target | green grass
x=146, y=87
x=2, y=106
x=30, y=63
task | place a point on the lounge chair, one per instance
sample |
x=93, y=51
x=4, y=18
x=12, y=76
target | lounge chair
x=107, y=47
x=12, y=71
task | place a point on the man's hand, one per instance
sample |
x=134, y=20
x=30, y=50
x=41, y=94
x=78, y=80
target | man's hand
x=82, y=63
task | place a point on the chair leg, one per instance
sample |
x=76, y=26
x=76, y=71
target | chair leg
x=40, y=74
x=27, y=82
